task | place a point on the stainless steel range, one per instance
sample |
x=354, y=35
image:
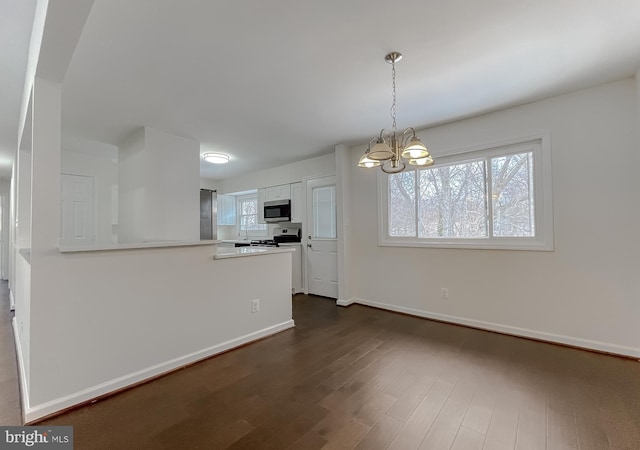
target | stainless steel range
x=283, y=235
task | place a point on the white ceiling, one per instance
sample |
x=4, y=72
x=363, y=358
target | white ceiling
x=279, y=81
x=16, y=18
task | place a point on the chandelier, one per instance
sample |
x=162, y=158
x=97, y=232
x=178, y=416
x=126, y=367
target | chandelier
x=391, y=149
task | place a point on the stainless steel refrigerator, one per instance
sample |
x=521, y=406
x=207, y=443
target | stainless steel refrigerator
x=208, y=214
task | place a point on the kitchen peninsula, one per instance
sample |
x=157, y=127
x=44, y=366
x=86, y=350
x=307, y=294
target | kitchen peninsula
x=171, y=304
x=235, y=252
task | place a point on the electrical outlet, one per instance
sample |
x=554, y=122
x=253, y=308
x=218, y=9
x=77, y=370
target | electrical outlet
x=255, y=305
x=444, y=293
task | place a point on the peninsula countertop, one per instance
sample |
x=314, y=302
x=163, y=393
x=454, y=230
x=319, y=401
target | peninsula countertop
x=237, y=252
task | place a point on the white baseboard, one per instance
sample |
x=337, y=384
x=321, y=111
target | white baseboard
x=12, y=301
x=24, y=388
x=347, y=302
x=588, y=344
x=38, y=411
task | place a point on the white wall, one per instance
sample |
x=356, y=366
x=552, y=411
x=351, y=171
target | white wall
x=104, y=171
x=131, y=188
x=94, y=322
x=173, y=189
x=586, y=291
x=344, y=206
x=5, y=195
x=289, y=173
x=158, y=187
x=208, y=183
x=23, y=199
x=118, y=317
x=637, y=78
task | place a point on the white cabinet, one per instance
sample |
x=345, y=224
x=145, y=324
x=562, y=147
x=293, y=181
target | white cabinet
x=296, y=266
x=226, y=210
x=282, y=192
x=296, y=203
x=262, y=195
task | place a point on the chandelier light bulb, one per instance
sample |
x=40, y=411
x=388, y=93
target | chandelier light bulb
x=424, y=162
x=365, y=161
x=415, y=153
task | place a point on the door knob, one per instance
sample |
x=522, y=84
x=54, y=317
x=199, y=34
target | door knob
x=309, y=245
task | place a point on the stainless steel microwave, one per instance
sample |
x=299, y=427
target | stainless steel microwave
x=277, y=211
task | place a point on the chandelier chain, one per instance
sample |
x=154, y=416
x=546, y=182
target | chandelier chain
x=393, y=103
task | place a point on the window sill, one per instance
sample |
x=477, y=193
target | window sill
x=537, y=245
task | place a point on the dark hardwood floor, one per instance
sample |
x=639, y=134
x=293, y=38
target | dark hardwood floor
x=363, y=378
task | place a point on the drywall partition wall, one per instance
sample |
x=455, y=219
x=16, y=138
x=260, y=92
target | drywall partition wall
x=637, y=78
x=87, y=336
x=289, y=173
x=23, y=199
x=173, y=189
x=179, y=305
x=5, y=242
x=45, y=215
x=21, y=291
x=103, y=168
x=158, y=187
x=344, y=221
x=583, y=293
x=131, y=188
x=13, y=214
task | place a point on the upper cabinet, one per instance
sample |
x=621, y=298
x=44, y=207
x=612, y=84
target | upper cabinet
x=296, y=203
x=282, y=192
x=291, y=192
x=226, y=210
x=262, y=195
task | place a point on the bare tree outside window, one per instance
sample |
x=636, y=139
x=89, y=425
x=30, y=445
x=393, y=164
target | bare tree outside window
x=402, y=204
x=249, y=215
x=452, y=201
x=512, y=195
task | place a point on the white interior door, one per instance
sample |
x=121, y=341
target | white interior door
x=322, y=243
x=76, y=212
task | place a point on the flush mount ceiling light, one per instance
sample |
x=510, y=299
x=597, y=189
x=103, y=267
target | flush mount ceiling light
x=391, y=149
x=216, y=158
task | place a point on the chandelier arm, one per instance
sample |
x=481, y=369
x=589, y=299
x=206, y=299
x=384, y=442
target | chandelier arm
x=384, y=132
x=405, y=136
x=413, y=131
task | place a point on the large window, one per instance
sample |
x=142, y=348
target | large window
x=491, y=197
x=248, y=216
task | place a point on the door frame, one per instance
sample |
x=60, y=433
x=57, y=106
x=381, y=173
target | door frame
x=305, y=229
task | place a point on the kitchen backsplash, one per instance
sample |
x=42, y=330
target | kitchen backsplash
x=228, y=232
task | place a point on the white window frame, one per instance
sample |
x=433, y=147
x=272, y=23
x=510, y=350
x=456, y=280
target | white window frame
x=239, y=200
x=540, y=145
